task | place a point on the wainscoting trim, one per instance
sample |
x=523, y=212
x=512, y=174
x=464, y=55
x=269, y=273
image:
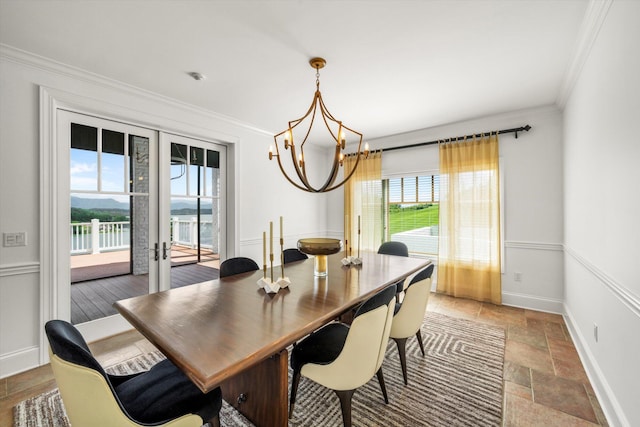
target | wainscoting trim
x=630, y=300
x=511, y=244
x=20, y=268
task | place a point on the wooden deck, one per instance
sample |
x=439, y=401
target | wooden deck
x=94, y=299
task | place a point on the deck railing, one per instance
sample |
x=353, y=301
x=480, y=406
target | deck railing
x=184, y=232
x=95, y=237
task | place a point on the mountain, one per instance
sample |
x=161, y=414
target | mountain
x=87, y=203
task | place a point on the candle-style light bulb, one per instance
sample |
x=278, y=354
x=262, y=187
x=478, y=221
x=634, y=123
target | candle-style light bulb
x=271, y=152
x=287, y=139
x=341, y=158
x=300, y=160
x=342, y=141
x=366, y=149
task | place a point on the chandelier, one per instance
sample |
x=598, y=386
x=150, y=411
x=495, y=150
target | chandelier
x=338, y=133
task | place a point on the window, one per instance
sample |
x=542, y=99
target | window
x=412, y=212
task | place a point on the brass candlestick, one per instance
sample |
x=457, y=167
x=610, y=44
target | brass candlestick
x=282, y=257
x=271, y=259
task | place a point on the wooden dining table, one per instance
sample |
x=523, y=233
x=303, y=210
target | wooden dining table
x=230, y=333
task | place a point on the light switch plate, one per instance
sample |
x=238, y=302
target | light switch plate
x=14, y=239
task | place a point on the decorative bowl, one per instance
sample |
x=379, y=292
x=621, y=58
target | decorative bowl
x=320, y=247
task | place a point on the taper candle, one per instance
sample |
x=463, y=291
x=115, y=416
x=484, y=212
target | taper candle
x=264, y=253
x=358, y=236
x=270, y=237
x=281, y=250
x=346, y=235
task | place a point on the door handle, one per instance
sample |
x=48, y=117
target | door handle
x=164, y=250
x=156, y=252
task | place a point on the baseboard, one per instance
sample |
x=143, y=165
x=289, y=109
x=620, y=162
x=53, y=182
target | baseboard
x=19, y=361
x=532, y=302
x=610, y=406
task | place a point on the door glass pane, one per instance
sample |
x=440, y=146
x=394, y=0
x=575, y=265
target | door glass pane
x=113, y=162
x=139, y=164
x=84, y=157
x=194, y=227
x=212, y=184
x=109, y=224
x=178, y=169
x=196, y=172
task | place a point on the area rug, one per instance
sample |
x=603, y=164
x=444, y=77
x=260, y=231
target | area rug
x=457, y=383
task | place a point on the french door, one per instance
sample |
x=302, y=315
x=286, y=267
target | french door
x=193, y=214
x=132, y=202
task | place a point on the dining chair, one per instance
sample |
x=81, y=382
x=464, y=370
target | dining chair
x=237, y=265
x=393, y=248
x=343, y=358
x=409, y=315
x=398, y=249
x=161, y=396
x=293, y=254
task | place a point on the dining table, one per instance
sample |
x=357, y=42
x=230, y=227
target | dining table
x=231, y=333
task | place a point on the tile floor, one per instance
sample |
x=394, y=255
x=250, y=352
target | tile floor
x=544, y=381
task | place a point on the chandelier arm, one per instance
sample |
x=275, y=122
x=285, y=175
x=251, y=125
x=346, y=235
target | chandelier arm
x=295, y=184
x=348, y=176
x=334, y=170
x=302, y=179
x=326, y=110
x=314, y=109
x=327, y=115
x=298, y=121
x=301, y=171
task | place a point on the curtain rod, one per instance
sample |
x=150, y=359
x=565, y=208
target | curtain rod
x=420, y=144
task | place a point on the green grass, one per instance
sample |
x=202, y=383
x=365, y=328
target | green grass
x=412, y=217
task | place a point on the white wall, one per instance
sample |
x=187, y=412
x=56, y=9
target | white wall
x=602, y=202
x=259, y=193
x=532, y=177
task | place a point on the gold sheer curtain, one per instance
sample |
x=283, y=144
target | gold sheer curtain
x=469, y=244
x=363, y=198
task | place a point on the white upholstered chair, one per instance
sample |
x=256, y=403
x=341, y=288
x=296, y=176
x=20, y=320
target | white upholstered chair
x=409, y=314
x=342, y=357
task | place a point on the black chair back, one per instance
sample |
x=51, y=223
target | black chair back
x=293, y=254
x=394, y=248
x=67, y=343
x=237, y=265
x=383, y=297
x=425, y=273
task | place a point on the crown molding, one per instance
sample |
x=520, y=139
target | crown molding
x=22, y=57
x=593, y=19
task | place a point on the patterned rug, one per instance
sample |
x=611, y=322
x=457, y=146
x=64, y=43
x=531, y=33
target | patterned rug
x=458, y=383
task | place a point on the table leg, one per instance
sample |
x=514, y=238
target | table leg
x=260, y=393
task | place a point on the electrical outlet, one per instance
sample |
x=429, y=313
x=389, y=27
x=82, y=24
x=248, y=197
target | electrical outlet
x=595, y=332
x=517, y=276
x=14, y=239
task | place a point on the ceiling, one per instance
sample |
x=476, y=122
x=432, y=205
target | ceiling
x=392, y=66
